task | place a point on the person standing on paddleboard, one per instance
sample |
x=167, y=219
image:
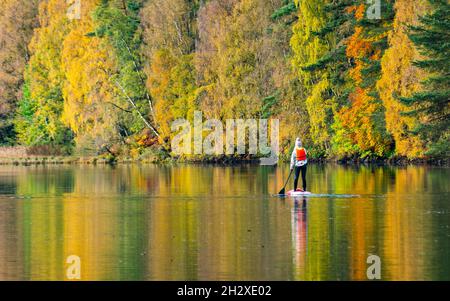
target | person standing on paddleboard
x=299, y=161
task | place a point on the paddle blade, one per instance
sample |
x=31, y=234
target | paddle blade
x=282, y=191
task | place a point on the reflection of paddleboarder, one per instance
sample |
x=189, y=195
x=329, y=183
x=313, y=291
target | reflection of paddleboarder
x=299, y=235
x=300, y=162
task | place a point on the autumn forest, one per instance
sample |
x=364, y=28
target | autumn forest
x=353, y=78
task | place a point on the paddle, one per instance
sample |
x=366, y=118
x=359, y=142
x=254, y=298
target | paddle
x=282, y=191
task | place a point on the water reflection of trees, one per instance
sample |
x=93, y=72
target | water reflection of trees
x=211, y=222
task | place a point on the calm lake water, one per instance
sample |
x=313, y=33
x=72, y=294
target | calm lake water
x=194, y=222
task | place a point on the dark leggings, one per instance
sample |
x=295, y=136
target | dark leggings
x=297, y=174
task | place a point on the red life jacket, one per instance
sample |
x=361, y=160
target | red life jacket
x=301, y=154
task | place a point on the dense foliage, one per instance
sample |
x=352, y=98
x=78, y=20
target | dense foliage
x=352, y=78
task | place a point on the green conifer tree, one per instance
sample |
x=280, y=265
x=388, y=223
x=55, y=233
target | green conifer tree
x=431, y=105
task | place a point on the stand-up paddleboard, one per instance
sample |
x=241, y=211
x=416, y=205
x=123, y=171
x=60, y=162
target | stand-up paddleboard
x=297, y=193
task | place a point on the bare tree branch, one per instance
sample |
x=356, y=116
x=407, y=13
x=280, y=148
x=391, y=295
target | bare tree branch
x=137, y=110
x=147, y=96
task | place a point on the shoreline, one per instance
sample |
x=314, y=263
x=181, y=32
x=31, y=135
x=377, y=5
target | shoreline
x=225, y=161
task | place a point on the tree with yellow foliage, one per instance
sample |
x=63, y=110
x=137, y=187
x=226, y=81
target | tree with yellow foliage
x=91, y=104
x=235, y=58
x=401, y=78
x=169, y=35
x=308, y=49
x=39, y=120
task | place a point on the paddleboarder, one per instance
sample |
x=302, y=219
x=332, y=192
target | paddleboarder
x=299, y=161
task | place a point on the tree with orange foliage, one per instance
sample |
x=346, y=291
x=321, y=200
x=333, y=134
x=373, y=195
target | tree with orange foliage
x=360, y=128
